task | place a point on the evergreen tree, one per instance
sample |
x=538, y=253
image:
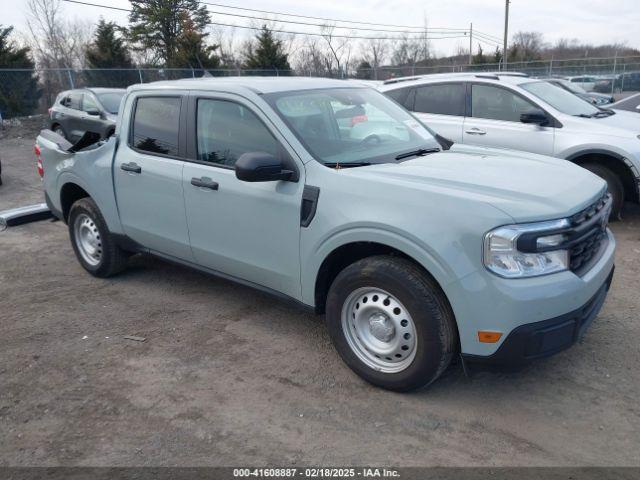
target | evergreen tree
x=109, y=51
x=19, y=92
x=364, y=70
x=192, y=52
x=267, y=53
x=159, y=26
x=479, y=58
x=497, y=55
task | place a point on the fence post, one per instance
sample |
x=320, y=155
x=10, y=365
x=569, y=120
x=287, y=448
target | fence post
x=613, y=80
x=70, y=78
x=551, y=66
x=193, y=73
x=140, y=75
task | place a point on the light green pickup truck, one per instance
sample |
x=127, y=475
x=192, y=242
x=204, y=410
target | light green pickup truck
x=330, y=194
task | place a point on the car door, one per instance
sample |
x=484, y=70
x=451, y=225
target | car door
x=250, y=231
x=441, y=106
x=148, y=173
x=91, y=121
x=494, y=121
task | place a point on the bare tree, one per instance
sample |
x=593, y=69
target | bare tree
x=340, y=49
x=228, y=47
x=56, y=41
x=313, y=57
x=526, y=46
x=375, y=52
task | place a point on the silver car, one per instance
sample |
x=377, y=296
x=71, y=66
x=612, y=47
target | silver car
x=517, y=112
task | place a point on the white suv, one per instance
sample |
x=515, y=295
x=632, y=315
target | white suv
x=509, y=110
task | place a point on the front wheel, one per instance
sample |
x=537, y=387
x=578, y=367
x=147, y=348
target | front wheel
x=391, y=323
x=92, y=242
x=614, y=185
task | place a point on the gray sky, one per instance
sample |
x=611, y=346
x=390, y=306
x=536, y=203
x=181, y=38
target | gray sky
x=592, y=21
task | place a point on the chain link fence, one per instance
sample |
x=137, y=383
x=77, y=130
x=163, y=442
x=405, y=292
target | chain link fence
x=24, y=92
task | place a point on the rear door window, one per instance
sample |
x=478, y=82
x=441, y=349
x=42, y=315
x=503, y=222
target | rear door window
x=156, y=125
x=443, y=99
x=497, y=103
x=74, y=100
x=88, y=103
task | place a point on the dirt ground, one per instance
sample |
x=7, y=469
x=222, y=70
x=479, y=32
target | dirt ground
x=229, y=376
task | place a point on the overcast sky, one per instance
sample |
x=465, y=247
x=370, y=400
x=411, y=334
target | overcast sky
x=592, y=21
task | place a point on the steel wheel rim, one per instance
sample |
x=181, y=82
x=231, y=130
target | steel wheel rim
x=87, y=239
x=379, y=330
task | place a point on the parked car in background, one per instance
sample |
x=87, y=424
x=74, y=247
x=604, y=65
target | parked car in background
x=518, y=112
x=88, y=109
x=415, y=251
x=587, y=82
x=576, y=89
x=628, y=82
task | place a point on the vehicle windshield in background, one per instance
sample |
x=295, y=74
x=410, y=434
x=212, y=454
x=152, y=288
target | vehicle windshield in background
x=352, y=126
x=111, y=101
x=572, y=87
x=562, y=100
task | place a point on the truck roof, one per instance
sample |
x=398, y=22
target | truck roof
x=255, y=84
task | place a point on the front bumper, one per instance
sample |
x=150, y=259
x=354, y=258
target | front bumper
x=542, y=339
x=482, y=301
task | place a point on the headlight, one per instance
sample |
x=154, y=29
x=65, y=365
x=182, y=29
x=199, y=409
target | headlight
x=502, y=257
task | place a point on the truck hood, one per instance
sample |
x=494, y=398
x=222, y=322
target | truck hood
x=524, y=186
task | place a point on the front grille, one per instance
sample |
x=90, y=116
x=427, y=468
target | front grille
x=588, y=233
x=584, y=252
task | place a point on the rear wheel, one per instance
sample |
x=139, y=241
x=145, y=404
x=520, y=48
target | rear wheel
x=92, y=242
x=614, y=185
x=391, y=323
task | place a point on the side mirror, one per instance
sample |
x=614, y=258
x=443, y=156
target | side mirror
x=535, y=116
x=262, y=167
x=93, y=112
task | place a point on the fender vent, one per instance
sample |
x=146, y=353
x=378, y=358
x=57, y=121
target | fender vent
x=309, y=205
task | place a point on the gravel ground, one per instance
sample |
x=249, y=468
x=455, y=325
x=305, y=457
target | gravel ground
x=230, y=376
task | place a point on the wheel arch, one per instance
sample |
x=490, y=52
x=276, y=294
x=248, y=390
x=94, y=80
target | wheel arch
x=617, y=163
x=350, y=252
x=70, y=192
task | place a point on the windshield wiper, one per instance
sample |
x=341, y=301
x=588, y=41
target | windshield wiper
x=417, y=153
x=346, y=164
x=605, y=112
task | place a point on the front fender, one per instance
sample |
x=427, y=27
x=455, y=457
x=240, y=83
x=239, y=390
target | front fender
x=444, y=272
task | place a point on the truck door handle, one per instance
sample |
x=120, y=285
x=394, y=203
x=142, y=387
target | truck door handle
x=204, y=182
x=132, y=167
x=475, y=131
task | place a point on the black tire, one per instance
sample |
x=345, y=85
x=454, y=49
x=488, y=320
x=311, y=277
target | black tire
x=437, y=336
x=59, y=130
x=614, y=185
x=112, y=258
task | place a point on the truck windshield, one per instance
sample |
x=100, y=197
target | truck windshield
x=111, y=101
x=560, y=99
x=357, y=126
